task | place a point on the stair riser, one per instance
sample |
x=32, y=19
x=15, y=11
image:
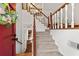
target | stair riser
x=44, y=37
x=46, y=48
x=41, y=43
x=39, y=35
x=50, y=54
x=43, y=33
x=40, y=39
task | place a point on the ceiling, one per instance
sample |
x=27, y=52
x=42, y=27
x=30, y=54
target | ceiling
x=48, y=7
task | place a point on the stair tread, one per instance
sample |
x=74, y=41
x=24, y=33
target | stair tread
x=47, y=45
x=50, y=54
x=38, y=39
x=46, y=48
x=45, y=51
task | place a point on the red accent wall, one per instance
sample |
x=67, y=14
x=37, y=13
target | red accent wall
x=7, y=45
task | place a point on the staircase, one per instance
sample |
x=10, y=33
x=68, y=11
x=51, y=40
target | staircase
x=40, y=27
x=46, y=45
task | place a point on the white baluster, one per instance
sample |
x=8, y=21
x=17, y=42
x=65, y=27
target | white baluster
x=24, y=6
x=58, y=19
x=53, y=20
x=72, y=23
x=61, y=17
x=66, y=17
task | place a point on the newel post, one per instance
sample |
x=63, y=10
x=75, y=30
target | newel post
x=72, y=23
x=51, y=20
x=34, y=36
x=48, y=22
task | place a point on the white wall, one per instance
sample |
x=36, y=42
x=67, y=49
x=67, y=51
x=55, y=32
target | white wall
x=76, y=15
x=19, y=28
x=62, y=39
x=24, y=22
x=27, y=21
x=50, y=7
x=39, y=26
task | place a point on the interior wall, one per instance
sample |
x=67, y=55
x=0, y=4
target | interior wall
x=76, y=14
x=19, y=28
x=50, y=7
x=27, y=21
x=24, y=22
x=39, y=26
x=63, y=38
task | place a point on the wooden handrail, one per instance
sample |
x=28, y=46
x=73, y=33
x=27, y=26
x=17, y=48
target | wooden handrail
x=19, y=41
x=34, y=36
x=35, y=8
x=39, y=10
x=60, y=8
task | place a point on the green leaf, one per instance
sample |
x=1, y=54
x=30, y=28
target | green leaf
x=4, y=5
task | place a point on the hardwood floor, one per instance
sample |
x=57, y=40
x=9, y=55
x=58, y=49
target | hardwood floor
x=28, y=51
x=24, y=54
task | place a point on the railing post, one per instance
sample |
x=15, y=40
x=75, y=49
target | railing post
x=55, y=21
x=34, y=36
x=61, y=24
x=48, y=22
x=66, y=16
x=51, y=19
x=72, y=23
x=58, y=19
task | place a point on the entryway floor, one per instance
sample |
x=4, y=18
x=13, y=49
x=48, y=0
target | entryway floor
x=24, y=54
